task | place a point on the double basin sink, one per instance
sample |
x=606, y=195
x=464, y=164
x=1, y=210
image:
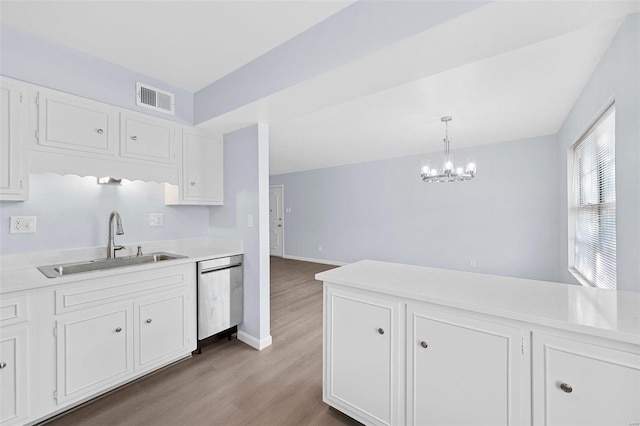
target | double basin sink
x=54, y=271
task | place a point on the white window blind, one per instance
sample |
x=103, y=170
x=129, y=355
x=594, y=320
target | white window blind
x=593, y=213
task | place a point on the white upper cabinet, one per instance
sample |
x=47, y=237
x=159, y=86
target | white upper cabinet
x=14, y=178
x=76, y=125
x=147, y=139
x=201, y=180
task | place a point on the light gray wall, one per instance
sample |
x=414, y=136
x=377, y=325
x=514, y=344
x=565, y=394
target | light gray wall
x=617, y=76
x=246, y=179
x=73, y=212
x=39, y=61
x=506, y=219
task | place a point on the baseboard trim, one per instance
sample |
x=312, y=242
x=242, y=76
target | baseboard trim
x=310, y=259
x=253, y=342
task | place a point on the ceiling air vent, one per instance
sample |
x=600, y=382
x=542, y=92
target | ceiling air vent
x=156, y=99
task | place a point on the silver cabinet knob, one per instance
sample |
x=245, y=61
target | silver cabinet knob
x=149, y=321
x=118, y=330
x=380, y=331
x=193, y=184
x=424, y=344
x=566, y=388
x=2, y=365
x=134, y=138
x=100, y=131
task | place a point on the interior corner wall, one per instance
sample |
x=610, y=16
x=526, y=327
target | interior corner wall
x=36, y=60
x=505, y=219
x=615, y=78
x=245, y=216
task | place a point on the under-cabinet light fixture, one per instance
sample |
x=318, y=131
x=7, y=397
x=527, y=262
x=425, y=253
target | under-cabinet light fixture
x=109, y=181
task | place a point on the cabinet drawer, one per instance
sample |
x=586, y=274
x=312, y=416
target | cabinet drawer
x=146, y=139
x=125, y=286
x=584, y=384
x=74, y=124
x=13, y=310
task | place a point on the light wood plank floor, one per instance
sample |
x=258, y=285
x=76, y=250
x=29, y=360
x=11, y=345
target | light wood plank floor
x=231, y=383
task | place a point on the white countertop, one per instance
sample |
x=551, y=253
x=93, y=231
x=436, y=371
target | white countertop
x=599, y=312
x=19, y=272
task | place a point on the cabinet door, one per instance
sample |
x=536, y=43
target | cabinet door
x=162, y=325
x=147, y=139
x=78, y=126
x=13, y=377
x=584, y=384
x=202, y=168
x=94, y=350
x=461, y=370
x=361, y=355
x=13, y=179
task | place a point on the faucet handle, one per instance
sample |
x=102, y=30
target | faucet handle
x=116, y=248
x=139, y=251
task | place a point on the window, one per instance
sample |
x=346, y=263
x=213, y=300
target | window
x=592, y=205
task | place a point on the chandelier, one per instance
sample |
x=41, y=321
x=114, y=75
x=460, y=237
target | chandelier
x=447, y=172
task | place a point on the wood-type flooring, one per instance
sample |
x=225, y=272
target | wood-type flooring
x=231, y=383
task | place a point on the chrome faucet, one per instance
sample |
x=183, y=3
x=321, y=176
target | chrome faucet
x=111, y=247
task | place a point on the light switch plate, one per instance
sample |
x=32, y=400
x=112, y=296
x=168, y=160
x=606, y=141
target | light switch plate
x=22, y=225
x=156, y=219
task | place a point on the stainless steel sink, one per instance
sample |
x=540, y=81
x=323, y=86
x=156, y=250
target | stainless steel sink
x=54, y=271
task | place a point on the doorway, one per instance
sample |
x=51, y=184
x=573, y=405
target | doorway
x=276, y=224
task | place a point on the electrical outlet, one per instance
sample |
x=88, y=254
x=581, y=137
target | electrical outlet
x=319, y=248
x=250, y=220
x=156, y=219
x=287, y=210
x=22, y=225
x=473, y=263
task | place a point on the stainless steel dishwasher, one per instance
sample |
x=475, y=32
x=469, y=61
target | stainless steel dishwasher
x=220, y=295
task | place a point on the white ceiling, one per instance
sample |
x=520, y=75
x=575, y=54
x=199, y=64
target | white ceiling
x=188, y=44
x=505, y=71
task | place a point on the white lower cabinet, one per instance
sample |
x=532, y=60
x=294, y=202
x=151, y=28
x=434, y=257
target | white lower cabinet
x=443, y=365
x=162, y=328
x=13, y=378
x=580, y=383
x=94, y=350
x=461, y=370
x=361, y=368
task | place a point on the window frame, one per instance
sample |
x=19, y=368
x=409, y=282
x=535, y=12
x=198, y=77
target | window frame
x=572, y=205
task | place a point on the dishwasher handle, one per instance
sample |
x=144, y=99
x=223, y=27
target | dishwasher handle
x=218, y=264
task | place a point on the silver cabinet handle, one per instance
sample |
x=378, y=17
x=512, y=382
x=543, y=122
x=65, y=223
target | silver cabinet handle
x=100, y=131
x=134, y=138
x=149, y=321
x=2, y=365
x=566, y=388
x=193, y=184
x=424, y=344
x=118, y=330
x=380, y=331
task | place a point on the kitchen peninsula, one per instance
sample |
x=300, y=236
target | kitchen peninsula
x=434, y=346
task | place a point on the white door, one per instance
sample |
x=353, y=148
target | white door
x=162, y=328
x=276, y=207
x=576, y=383
x=455, y=361
x=361, y=343
x=95, y=350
